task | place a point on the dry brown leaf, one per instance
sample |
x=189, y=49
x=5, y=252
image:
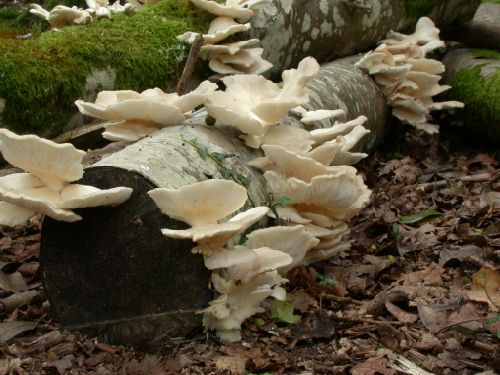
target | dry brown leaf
x=12, y=282
x=302, y=301
x=400, y=314
x=9, y=330
x=485, y=287
x=373, y=366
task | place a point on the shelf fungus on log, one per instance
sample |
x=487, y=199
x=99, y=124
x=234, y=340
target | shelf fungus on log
x=108, y=274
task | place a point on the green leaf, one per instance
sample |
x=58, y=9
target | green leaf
x=243, y=180
x=395, y=231
x=395, y=155
x=411, y=219
x=202, y=151
x=226, y=173
x=218, y=156
x=325, y=280
x=282, y=311
x=282, y=202
x=259, y=322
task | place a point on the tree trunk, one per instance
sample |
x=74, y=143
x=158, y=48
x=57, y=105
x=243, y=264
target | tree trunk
x=329, y=29
x=114, y=274
x=42, y=77
x=475, y=79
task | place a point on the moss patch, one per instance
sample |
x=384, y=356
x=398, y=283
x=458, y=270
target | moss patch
x=418, y=8
x=481, y=96
x=486, y=54
x=41, y=78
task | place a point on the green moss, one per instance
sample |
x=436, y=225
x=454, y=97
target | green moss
x=41, y=78
x=418, y=8
x=491, y=1
x=486, y=54
x=481, y=96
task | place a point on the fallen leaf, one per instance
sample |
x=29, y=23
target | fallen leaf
x=62, y=364
x=282, y=312
x=415, y=218
x=9, y=330
x=485, y=287
x=373, y=366
x=12, y=282
x=400, y=314
x=461, y=254
x=302, y=301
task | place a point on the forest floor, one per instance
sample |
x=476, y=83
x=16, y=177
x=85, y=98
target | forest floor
x=419, y=293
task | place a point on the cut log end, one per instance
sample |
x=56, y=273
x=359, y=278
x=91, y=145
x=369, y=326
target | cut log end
x=114, y=274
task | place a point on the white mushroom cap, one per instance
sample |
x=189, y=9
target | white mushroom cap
x=266, y=260
x=289, y=214
x=425, y=31
x=27, y=191
x=232, y=10
x=213, y=237
x=201, y=203
x=79, y=196
x=238, y=302
x=12, y=215
x=128, y=131
x=292, y=240
x=219, y=29
x=293, y=139
x=55, y=164
x=61, y=16
x=310, y=117
x=245, y=61
x=225, y=258
x=211, y=51
x=38, y=11
x=339, y=195
x=328, y=134
x=319, y=255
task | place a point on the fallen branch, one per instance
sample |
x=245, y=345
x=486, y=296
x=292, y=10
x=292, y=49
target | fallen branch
x=194, y=53
x=430, y=186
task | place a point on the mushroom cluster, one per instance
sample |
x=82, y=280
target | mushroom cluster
x=243, y=276
x=406, y=77
x=46, y=186
x=132, y=115
x=234, y=57
x=61, y=15
x=253, y=104
x=312, y=171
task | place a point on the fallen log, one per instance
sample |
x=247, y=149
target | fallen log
x=475, y=79
x=292, y=30
x=114, y=274
x=42, y=77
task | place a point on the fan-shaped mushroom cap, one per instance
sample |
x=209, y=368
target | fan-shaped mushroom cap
x=319, y=255
x=425, y=31
x=201, y=203
x=328, y=134
x=426, y=65
x=12, y=215
x=245, y=61
x=266, y=260
x=79, y=196
x=225, y=258
x=55, y=164
x=219, y=29
x=291, y=138
x=311, y=117
x=61, y=16
x=292, y=240
x=38, y=11
x=338, y=195
x=211, y=51
x=128, y=131
x=289, y=214
x=238, y=302
x=232, y=10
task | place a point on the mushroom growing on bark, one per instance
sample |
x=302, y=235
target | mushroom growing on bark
x=47, y=188
x=134, y=115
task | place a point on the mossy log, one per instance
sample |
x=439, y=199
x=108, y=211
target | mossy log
x=114, y=274
x=42, y=77
x=329, y=29
x=474, y=75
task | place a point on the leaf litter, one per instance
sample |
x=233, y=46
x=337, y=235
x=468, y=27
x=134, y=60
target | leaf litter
x=419, y=293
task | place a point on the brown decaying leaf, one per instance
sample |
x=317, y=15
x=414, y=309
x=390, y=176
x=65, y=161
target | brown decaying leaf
x=373, y=366
x=9, y=330
x=485, y=287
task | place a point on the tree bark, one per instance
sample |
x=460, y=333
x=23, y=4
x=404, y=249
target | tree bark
x=328, y=29
x=475, y=79
x=114, y=274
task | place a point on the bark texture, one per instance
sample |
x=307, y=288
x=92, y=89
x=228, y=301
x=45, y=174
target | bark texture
x=290, y=30
x=475, y=79
x=114, y=274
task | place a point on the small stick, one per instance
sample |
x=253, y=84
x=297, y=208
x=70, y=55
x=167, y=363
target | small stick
x=429, y=186
x=194, y=53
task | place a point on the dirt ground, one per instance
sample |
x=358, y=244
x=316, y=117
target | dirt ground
x=419, y=293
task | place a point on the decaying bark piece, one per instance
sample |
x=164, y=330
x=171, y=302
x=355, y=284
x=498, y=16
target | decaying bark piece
x=114, y=274
x=328, y=29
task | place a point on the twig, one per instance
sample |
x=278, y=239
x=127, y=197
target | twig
x=368, y=320
x=194, y=53
x=429, y=186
